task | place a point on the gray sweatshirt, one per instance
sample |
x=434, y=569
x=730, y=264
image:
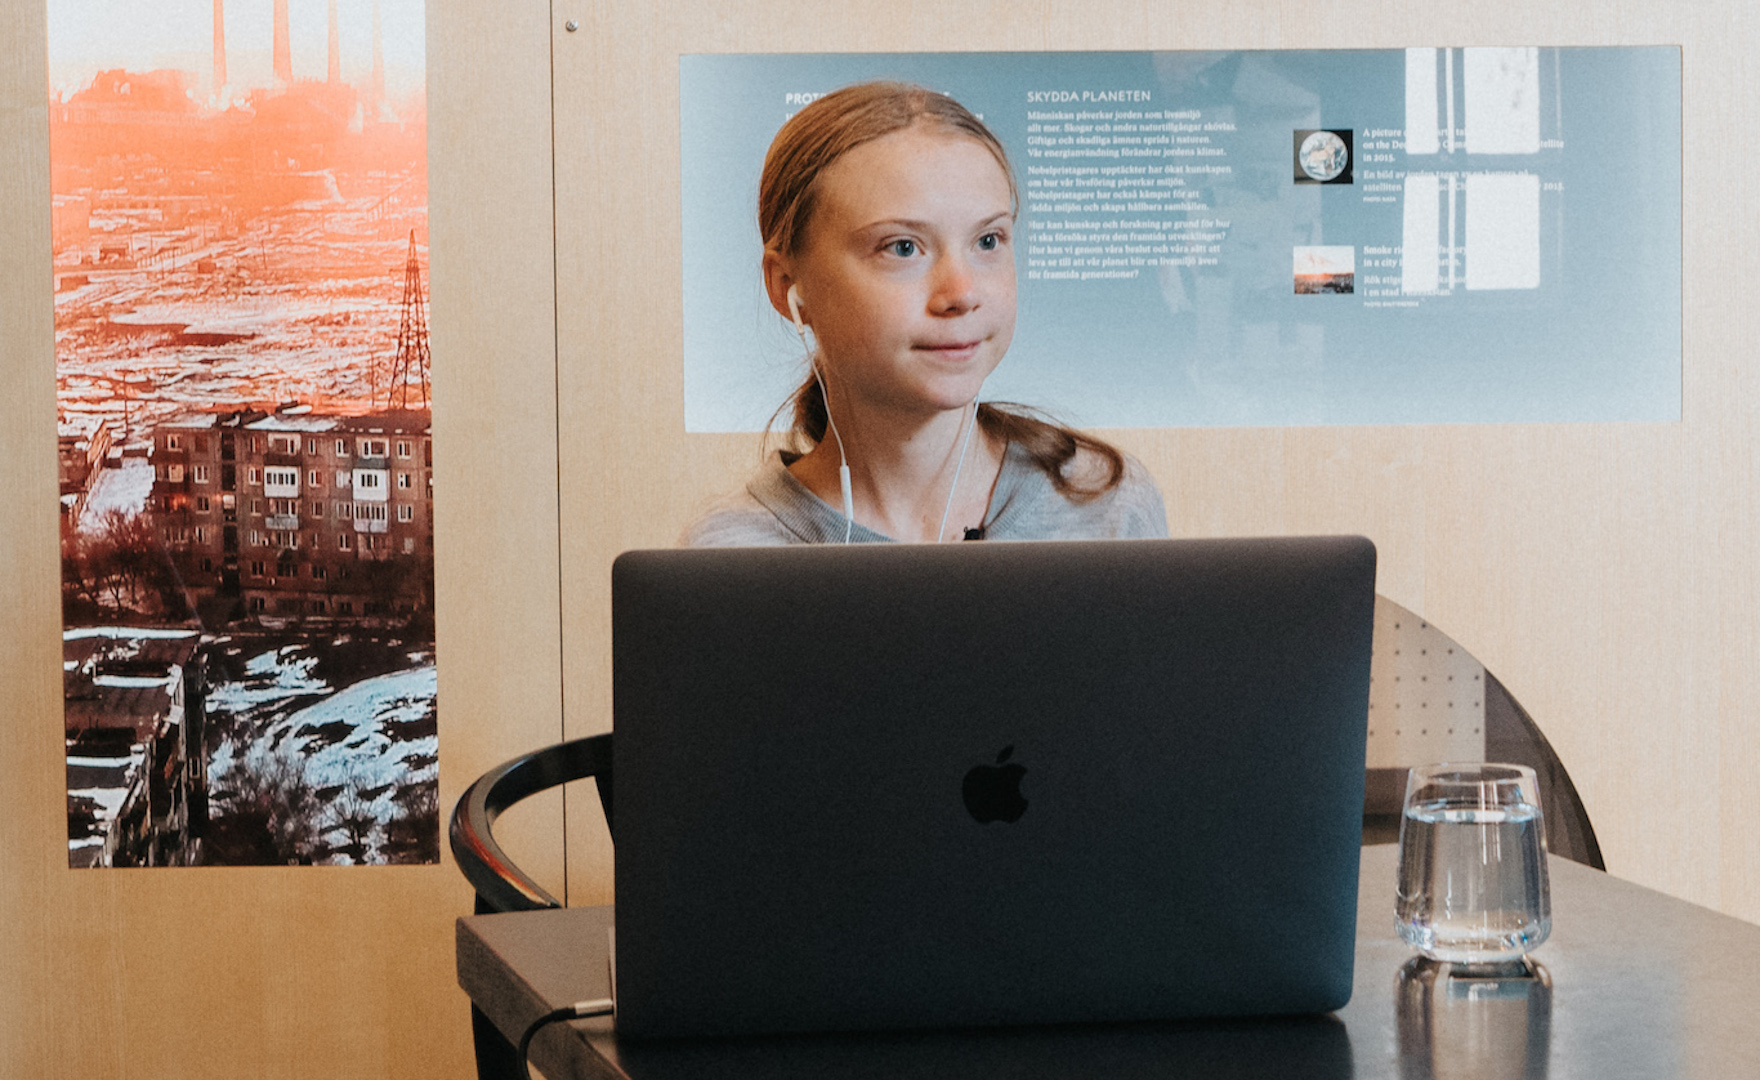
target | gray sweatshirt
x=775, y=508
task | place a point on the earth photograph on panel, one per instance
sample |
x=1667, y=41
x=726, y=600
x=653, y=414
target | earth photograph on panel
x=245, y=447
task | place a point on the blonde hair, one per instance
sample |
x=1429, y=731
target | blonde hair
x=811, y=142
x=832, y=126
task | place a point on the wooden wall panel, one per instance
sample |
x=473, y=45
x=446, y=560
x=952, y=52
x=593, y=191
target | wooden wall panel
x=31, y=808
x=298, y=972
x=1604, y=572
x=494, y=342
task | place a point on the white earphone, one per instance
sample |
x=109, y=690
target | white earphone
x=849, y=498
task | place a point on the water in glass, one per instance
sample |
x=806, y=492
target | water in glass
x=1472, y=880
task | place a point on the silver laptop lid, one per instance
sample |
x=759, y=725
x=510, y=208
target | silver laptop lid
x=901, y=786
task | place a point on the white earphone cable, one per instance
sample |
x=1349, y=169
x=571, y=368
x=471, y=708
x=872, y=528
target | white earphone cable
x=849, y=501
x=965, y=442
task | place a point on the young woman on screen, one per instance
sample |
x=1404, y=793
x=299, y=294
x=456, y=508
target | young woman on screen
x=888, y=218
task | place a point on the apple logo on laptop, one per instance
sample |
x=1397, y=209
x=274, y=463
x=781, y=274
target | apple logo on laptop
x=993, y=792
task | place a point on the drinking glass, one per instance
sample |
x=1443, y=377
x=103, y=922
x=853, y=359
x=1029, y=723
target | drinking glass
x=1472, y=863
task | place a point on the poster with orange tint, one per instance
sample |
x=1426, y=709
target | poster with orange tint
x=243, y=389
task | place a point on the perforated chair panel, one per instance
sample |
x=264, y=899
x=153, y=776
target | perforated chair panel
x=1426, y=694
x=1431, y=701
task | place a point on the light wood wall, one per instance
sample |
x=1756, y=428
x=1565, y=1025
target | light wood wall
x=1606, y=573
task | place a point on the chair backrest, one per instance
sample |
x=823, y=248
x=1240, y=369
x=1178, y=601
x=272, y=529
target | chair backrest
x=1430, y=700
x=500, y=884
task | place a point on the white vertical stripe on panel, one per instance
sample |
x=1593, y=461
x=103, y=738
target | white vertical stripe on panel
x=1502, y=99
x=1420, y=255
x=1422, y=134
x=1453, y=249
x=1503, y=231
x=1448, y=95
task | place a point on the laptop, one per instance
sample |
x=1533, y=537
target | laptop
x=908, y=786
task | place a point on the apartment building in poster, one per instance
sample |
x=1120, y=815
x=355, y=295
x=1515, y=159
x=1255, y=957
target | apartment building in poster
x=296, y=514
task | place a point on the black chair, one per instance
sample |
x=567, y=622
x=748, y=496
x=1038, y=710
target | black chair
x=500, y=884
x=1421, y=719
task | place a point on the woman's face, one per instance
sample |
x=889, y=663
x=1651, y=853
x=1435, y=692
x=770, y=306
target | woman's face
x=907, y=272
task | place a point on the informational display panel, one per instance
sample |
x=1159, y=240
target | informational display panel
x=1384, y=236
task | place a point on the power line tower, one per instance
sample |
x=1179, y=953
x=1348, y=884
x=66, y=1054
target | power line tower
x=412, y=337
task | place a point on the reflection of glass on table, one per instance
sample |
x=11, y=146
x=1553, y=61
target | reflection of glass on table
x=1489, y=1021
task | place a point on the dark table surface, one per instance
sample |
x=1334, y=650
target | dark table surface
x=1632, y=983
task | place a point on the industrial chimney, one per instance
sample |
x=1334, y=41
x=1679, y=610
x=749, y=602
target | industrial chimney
x=334, y=74
x=378, y=101
x=219, y=46
x=283, y=52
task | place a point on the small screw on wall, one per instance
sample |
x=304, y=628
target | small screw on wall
x=571, y=26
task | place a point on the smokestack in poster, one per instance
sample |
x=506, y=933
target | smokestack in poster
x=219, y=45
x=283, y=52
x=333, y=76
x=378, y=99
